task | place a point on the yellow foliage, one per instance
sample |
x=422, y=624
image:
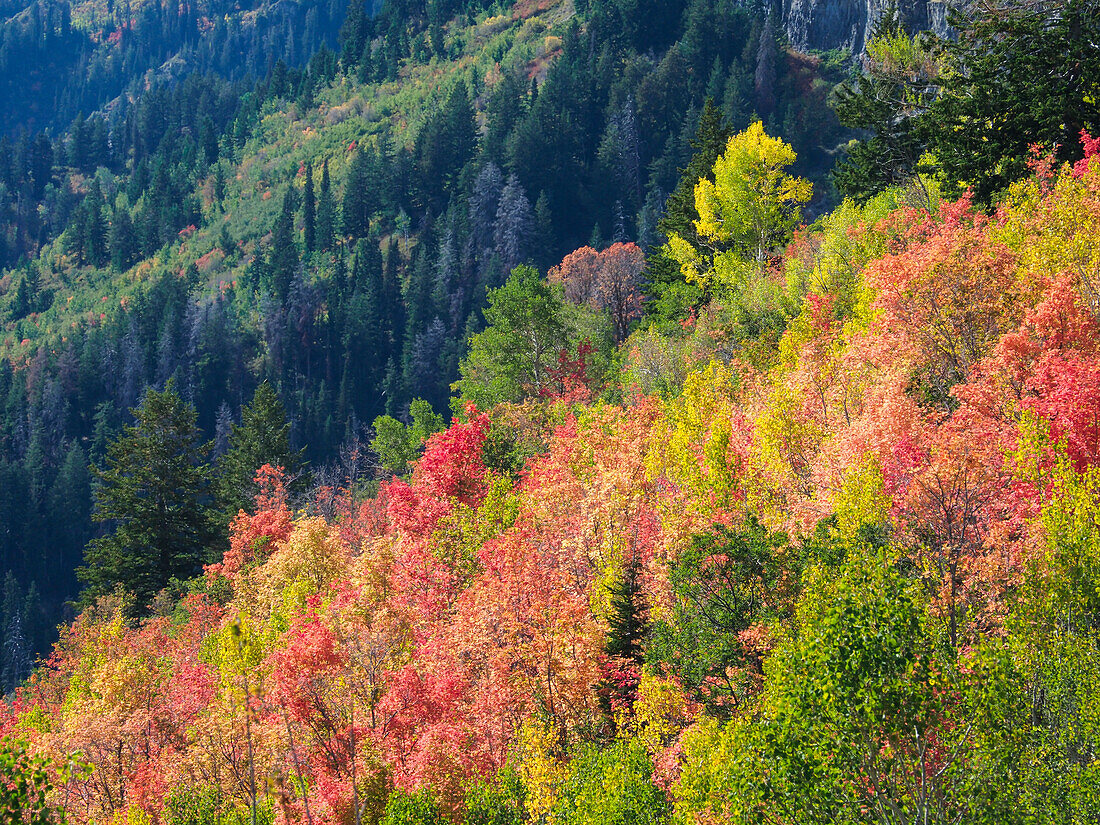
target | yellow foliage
x=540, y=770
x=312, y=557
x=131, y=815
x=1055, y=230
x=786, y=440
x=691, y=444
x=749, y=209
x=463, y=532
x=661, y=712
x=862, y=498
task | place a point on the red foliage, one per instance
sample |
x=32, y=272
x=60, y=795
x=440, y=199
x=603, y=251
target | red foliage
x=1065, y=390
x=604, y=280
x=570, y=381
x=450, y=471
x=249, y=535
x=1091, y=147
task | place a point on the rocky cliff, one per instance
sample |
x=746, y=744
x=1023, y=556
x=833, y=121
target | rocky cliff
x=846, y=24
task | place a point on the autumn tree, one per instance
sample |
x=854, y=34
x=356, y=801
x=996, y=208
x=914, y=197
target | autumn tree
x=607, y=280
x=746, y=212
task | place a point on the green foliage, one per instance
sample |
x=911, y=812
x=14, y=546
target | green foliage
x=444, y=145
x=627, y=625
x=283, y=259
x=397, y=445
x=723, y=583
x=153, y=492
x=419, y=808
x=851, y=717
x=1035, y=694
x=203, y=806
x=499, y=802
x=889, y=99
x=25, y=787
x=515, y=355
x=611, y=786
x=1019, y=74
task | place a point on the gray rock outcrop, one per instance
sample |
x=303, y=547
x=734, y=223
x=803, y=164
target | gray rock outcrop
x=821, y=25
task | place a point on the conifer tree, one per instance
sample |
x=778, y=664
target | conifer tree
x=152, y=494
x=445, y=144
x=1020, y=73
x=889, y=99
x=284, y=253
x=123, y=240
x=627, y=622
x=95, y=227
x=309, y=211
x=16, y=653
x=356, y=206
x=515, y=224
x=326, y=211
x=262, y=437
x=670, y=295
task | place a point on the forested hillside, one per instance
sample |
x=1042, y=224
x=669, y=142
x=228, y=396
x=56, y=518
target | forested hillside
x=222, y=232
x=60, y=60
x=513, y=415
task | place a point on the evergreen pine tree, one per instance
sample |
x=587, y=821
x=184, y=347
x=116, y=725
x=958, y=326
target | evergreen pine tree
x=356, y=206
x=262, y=437
x=283, y=263
x=326, y=211
x=309, y=211
x=68, y=506
x=152, y=494
x=123, y=240
x=515, y=225
x=888, y=100
x=627, y=623
x=671, y=297
x=16, y=655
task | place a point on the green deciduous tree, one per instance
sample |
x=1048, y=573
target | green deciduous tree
x=611, y=786
x=514, y=356
x=25, y=786
x=856, y=720
x=397, y=445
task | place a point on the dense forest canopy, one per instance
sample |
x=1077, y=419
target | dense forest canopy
x=560, y=411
